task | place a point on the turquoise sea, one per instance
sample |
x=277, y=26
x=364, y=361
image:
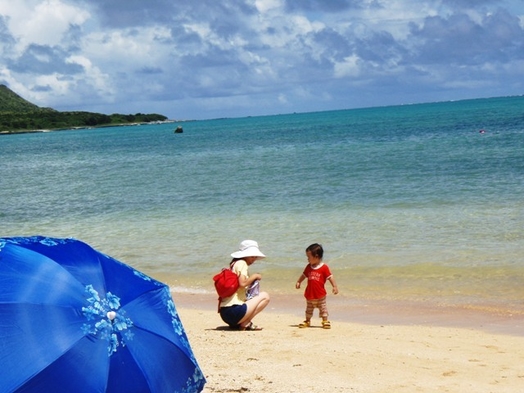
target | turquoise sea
x=410, y=202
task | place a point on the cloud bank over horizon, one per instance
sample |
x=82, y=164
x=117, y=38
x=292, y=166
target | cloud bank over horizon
x=208, y=59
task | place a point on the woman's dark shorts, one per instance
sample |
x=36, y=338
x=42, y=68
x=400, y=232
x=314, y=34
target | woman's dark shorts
x=233, y=314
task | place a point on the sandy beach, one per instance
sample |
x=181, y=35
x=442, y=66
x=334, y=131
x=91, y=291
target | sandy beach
x=368, y=349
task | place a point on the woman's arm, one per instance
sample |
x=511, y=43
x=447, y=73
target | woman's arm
x=245, y=281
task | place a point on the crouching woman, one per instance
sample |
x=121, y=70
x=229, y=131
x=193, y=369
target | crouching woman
x=239, y=309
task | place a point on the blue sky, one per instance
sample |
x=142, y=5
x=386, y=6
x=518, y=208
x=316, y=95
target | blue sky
x=200, y=59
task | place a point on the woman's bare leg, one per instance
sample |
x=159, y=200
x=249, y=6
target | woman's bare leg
x=254, y=306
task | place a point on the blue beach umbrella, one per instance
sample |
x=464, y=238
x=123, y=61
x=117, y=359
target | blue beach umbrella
x=75, y=320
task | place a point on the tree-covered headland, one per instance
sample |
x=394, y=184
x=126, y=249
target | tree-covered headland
x=19, y=115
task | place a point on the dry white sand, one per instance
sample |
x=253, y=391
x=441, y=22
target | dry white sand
x=408, y=356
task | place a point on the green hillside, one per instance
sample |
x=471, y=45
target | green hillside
x=12, y=102
x=19, y=115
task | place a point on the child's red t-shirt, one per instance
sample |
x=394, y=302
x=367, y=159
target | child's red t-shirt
x=316, y=280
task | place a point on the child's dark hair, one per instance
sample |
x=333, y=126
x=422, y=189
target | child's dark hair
x=316, y=250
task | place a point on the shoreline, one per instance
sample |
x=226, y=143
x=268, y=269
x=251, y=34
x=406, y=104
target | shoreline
x=378, y=313
x=76, y=128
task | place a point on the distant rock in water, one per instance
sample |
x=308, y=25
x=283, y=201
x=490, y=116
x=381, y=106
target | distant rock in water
x=179, y=130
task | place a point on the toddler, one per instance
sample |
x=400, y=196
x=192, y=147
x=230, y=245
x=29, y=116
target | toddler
x=316, y=272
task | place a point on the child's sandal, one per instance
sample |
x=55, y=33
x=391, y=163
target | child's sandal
x=326, y=325
x=304, y=324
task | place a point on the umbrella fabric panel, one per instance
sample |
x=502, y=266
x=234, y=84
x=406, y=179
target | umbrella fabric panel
x=79, y=259
x=37, y=295
x=158, y=338
x=126, y=282
x=29, y=277
x=34, y=336
x=125, y=372
x=146, y=313
x=83, y=369
x=165, y=366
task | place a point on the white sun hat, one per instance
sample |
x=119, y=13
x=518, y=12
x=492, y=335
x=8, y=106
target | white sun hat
x=248, y=248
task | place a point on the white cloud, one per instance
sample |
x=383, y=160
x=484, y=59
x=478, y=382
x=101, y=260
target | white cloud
x=349, y=67
x=266, y=5
x=41, y=22
x=94, y=76
x=127, y=47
